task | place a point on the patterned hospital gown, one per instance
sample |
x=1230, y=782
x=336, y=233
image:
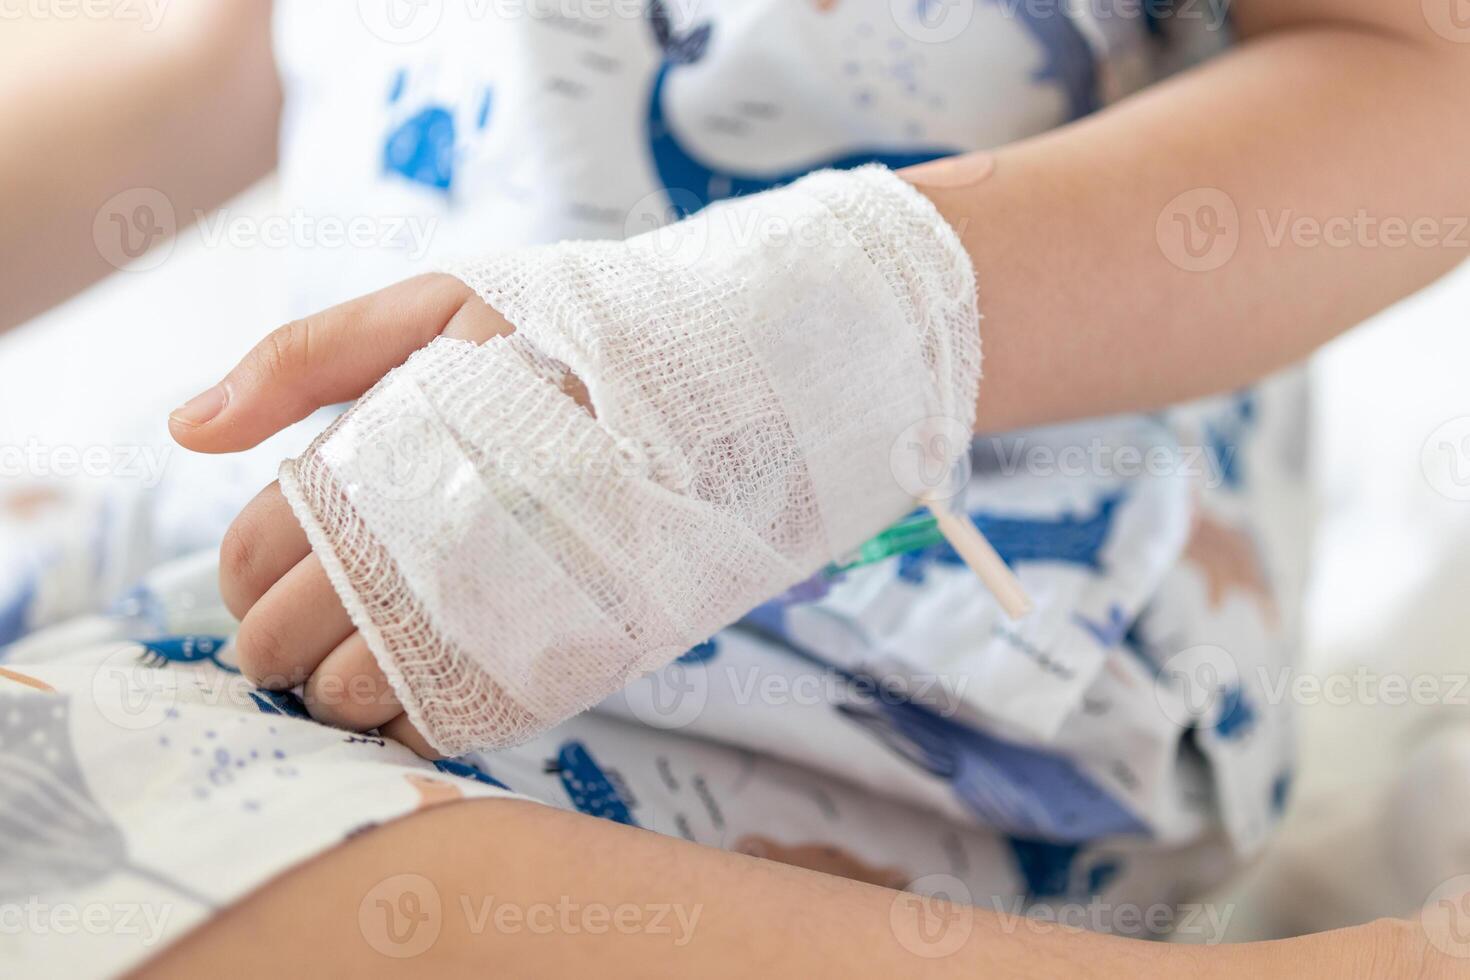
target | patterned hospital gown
x=1117, y=750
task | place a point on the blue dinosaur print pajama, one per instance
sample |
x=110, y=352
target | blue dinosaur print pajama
x=1117, y=751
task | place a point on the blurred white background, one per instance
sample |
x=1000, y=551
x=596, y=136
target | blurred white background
x=1367, y=835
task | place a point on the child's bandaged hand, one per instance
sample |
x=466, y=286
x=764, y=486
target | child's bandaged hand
x=293, y=628
x=766, y=385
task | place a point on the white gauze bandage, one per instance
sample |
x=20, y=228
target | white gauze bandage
x=512, y=557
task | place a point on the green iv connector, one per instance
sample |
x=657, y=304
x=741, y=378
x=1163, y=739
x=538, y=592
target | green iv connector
x=913, y=533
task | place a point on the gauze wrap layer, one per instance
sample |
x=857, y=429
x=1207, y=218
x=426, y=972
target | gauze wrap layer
x=512, y=557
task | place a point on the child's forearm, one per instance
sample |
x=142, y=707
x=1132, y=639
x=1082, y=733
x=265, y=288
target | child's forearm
x=1082, y=261
x=96, y=107
x=727, y=916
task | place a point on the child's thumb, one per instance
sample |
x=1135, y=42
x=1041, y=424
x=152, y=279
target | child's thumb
x=331, y=357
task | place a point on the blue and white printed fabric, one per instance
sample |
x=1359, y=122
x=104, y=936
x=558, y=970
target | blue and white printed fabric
x=1119, y=749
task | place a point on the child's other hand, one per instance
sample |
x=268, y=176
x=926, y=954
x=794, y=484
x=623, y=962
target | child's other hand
x=293, y=629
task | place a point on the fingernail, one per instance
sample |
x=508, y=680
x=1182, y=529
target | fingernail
x=201, y=408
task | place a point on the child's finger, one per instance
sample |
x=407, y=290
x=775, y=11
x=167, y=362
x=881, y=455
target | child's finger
x=477, y=323
x=400, y=729
x=331, y=357
x=292, y=628
x=350, y=690
x=263, y=543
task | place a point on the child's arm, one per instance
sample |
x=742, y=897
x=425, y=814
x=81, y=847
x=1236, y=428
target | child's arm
x=95, y=107
x=1341, y=112
x=728, y=916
